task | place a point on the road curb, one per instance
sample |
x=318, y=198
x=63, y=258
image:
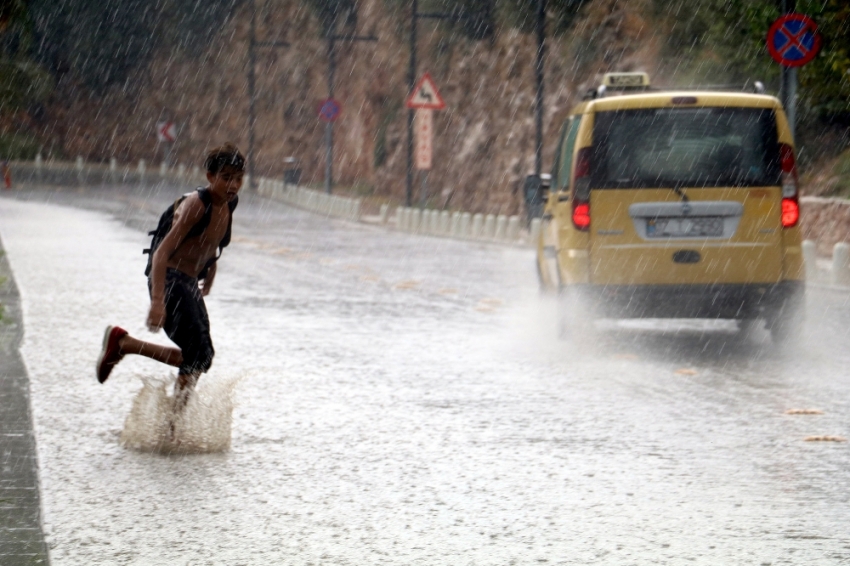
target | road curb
x=21, y=534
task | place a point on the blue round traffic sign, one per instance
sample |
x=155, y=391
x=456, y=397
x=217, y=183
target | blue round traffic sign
x=793, y=40
x=329, y=110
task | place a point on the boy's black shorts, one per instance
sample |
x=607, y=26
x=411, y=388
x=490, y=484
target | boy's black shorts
x=186, y=321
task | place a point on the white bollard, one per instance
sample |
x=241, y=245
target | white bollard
x=501, y=227
x=141, y=167
x=38, y=161
x=415, y=220
x=534, y=232
x=455, y=229
x=181, y=171
x=810, y=259
x=163, y=169
x=355, y=209
x=489, y=227
x=196, y=173
x=477, y=225
x=513, y=229
x=382, y=215
x=426, y=221
x=445, y=222
x=841, y=264
x=399, y=217
x=465, y=225
x=79, y=163
x=434, y=224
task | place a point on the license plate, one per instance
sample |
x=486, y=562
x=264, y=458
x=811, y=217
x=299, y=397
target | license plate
x=689, y=227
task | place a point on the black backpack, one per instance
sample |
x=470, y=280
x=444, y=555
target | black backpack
x=167, y=218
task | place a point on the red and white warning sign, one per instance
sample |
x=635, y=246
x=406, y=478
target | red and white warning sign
x=424, y=138
x=425, y=95
x=166, y=131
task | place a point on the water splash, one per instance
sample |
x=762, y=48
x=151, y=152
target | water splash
x=203, y=426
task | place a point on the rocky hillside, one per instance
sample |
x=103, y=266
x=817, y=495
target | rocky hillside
x=483, y=140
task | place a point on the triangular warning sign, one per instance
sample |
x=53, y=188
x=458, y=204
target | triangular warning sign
x=426, y=95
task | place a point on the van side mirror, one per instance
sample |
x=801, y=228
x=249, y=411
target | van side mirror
x=537, y=188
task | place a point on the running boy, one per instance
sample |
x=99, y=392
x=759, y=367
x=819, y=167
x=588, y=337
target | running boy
x=183, y=268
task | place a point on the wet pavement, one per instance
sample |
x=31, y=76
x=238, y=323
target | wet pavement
x=21, y=538
x=404, y=400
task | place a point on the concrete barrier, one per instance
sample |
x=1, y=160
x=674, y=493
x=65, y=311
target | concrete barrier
x=477, y=226
x=445, y=222
x=841, y=264
x=489, y=231
x=382, y=215
x=454, y=231
x=501, y=228
x=465, y=225
x=513, y=229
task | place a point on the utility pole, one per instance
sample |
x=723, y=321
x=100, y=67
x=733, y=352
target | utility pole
x=252, y=94
x=788, y=84
x=411, y=84
x=538, y=75
x=329, y=127
x=252, y=88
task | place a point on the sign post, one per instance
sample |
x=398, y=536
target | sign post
x=425, y=98
x=792, y=40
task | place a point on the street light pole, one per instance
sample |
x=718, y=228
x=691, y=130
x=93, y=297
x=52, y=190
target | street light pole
x=538, y=75
x=252, y=96
x=252, y=88
x=329, y=128
x=411, y=84
x=329, y=125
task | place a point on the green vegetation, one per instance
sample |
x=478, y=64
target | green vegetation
x=18, y=146
x=839, y=182
x=727, y=38
x=102, y=44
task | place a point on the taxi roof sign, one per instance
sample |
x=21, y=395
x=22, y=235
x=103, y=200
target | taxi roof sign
x=625, y=80
x=425, y=95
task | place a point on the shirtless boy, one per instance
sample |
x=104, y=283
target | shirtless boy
x=177, y=293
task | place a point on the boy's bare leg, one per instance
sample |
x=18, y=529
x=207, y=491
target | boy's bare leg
x=183, y=389
x=164, y=354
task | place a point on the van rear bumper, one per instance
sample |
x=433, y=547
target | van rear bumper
x=756, y=300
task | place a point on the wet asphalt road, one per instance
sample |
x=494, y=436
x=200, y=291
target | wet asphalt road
x=404, y=400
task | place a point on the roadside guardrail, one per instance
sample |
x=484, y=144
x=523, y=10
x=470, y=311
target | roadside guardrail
x=502, y=229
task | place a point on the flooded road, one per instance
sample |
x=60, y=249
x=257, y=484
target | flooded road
x=404, y=400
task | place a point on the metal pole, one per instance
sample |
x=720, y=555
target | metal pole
x=329, y=127
x=788, y=88
x=252, y=96
x=538, y=74
x=411, y=83
x=423, y=198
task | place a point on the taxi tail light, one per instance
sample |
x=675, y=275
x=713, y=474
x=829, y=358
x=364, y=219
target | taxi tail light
x=581, y=190
x=790, y=194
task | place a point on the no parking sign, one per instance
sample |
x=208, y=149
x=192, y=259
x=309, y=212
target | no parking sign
x=793, y=40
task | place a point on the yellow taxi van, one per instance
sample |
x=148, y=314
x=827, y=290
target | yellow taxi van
x=674, y=204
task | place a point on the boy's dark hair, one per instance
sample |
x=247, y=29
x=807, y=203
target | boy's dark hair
x=227, y=155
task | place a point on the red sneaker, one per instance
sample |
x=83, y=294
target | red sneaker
x=111, y=353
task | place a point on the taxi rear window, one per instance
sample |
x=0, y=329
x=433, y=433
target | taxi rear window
x=685, y=147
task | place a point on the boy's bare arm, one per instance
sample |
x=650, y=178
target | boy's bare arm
x=186, y=216
x=208, y=280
